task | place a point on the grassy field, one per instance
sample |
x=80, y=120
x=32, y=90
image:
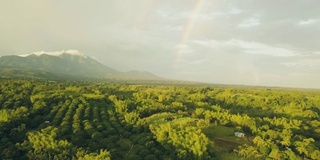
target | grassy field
x=224, y=138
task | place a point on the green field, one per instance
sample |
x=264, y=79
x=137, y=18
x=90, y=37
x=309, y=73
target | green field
x=87, y=120
x=224, y=137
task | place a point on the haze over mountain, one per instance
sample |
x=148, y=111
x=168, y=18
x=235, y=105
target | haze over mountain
x=69, y=64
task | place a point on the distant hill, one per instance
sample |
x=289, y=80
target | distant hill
x=68, y=64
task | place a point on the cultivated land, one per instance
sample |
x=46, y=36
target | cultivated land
x=42, y=119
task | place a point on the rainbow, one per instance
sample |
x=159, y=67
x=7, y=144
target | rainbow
x=187, y=29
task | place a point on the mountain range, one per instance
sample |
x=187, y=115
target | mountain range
x=70, y=64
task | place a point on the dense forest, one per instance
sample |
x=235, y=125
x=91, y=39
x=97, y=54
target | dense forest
x=46, y=120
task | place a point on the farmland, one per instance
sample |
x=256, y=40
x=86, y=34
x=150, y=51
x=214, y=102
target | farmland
x=85, y=120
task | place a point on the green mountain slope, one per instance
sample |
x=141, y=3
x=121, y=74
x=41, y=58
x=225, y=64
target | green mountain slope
x=64, y=66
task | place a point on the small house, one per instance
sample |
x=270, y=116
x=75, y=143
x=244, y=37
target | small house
x=46, y=122
x=239, y=134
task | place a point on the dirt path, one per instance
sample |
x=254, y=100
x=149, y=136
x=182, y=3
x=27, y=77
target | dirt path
x=225, y=144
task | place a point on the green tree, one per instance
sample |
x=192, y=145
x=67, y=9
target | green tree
x=44, y=145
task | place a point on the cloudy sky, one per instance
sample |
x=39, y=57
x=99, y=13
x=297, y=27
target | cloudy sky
x=251, y=42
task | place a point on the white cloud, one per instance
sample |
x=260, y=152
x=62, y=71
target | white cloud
x=167, y=15
x=199, y=61
x=303, y=62
x=183, y=48
x=308, y=22
x=250, y=22
x=176, y=28
x=247, y=47
x=191, y=15
x=235, y=11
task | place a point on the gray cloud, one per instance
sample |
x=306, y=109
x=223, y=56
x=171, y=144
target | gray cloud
x=237, y=42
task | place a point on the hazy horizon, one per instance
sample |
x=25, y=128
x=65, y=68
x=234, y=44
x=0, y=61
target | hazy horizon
x=248, y=42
